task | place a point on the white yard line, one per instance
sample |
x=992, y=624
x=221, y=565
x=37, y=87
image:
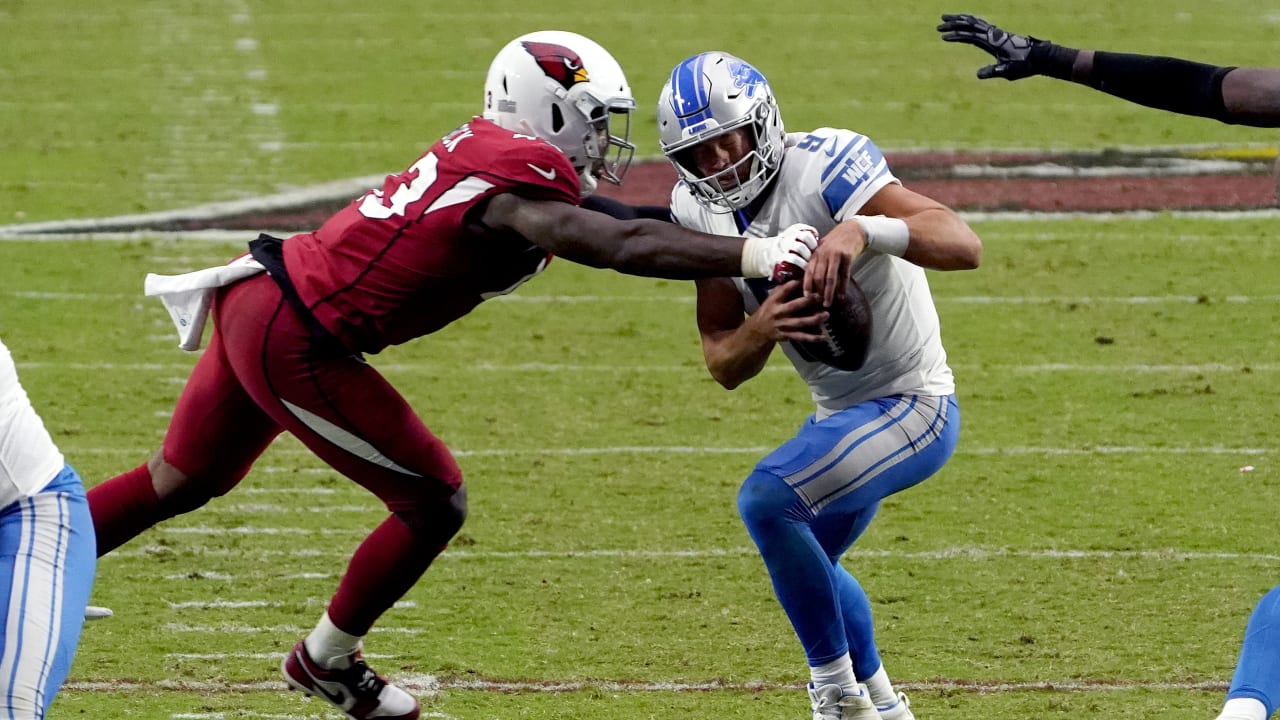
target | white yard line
x=533, y=298
x=966, y=554
x=577, y=369
x=429, y=685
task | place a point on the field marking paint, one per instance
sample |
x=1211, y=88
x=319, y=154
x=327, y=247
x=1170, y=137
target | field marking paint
x=690, y=300
x=276, y=508
x=572, y=368
x=250, y=629
x=255, y=656
x=121, y=228
x=429, y=685
x=972, y=554
x=691, y=450
x=248, y=604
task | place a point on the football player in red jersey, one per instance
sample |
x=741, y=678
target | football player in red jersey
x=484, y=210
x=1233, y=95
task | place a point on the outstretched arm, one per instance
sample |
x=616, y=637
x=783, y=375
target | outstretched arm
x=623, y=211
x=644, y=247
x=1240, y=96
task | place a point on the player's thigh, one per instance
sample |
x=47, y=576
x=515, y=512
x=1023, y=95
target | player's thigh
x=335, y=403
x=356, y=421
x=47, y=563
x=217, y=429
x=860, y=455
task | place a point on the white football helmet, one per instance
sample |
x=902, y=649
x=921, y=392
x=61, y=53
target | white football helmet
x=569, y=91
x=708, y=95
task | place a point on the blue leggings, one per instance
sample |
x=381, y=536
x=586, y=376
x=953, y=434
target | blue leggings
x=48, y=557
x=1257, y=674
x=810, y=499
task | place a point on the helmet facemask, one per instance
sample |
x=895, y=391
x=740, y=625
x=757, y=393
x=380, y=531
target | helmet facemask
x=707, y=96
x=735, y=186
x=607, y=145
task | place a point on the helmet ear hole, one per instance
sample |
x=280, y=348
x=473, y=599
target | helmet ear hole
x=557, y=119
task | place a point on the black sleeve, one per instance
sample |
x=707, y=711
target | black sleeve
x=1164, y=83
x=623, y=211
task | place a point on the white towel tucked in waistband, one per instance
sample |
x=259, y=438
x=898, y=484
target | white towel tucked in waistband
x=187, y=297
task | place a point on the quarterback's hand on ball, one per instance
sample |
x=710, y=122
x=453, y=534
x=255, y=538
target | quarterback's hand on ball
x=764, y=257
x=788, y=314
x=1012, y=52
x=829, y=268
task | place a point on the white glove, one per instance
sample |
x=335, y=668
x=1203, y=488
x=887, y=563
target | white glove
x=761, y=257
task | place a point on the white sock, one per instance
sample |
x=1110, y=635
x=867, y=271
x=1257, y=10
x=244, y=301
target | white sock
x=837, y=672
x=880, y=689
x=329, y=646
x=1243, y=709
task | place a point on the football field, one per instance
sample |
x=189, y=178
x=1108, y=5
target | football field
x=1093, y=549
x=1094, y=546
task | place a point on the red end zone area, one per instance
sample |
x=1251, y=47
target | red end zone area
x=1104, y=181
x=1109, y=181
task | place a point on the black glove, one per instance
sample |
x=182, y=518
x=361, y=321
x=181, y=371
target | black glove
x=1013, y=55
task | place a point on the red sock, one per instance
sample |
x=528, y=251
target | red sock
x=382, y=570
x=123, y=507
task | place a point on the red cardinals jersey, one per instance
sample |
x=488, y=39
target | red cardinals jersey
x=409, y=258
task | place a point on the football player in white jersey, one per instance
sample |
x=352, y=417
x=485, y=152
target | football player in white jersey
x=47, y=556
x=877, y=430
x=1234, y=95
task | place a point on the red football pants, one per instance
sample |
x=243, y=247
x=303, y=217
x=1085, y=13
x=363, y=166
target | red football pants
x=260, y=375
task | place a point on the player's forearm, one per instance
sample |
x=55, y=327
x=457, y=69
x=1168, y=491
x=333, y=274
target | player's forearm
x=1251, y=96
x=660, y=249
x=736, y=356
x=1242, y=96
x=941, y=240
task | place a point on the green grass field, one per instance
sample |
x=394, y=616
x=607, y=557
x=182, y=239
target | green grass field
x=1094, y=531
x=138, y=106
x=1092, y=550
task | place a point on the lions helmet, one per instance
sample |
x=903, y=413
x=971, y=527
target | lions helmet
x=569, y=91
x=708, y=95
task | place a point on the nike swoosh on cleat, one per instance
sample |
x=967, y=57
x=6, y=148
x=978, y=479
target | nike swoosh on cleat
x=338, y=698
x=548, y=174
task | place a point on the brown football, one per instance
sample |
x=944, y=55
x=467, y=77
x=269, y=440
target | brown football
x=846, y=334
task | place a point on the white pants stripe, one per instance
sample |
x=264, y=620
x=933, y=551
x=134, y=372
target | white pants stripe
x=871, y=450
x=34, y=619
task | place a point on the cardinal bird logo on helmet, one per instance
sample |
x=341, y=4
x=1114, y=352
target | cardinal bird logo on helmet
x=558, y=62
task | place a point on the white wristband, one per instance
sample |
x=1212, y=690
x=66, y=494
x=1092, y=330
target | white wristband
x=886, y=235
x=755, y=258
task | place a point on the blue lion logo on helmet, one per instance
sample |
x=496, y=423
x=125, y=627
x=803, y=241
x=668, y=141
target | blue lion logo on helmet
x=746, y=77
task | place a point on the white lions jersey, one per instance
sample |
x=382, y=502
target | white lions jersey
x=28, y=457
x=826, y=177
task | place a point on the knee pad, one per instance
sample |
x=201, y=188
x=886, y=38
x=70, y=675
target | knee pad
x=435, y=520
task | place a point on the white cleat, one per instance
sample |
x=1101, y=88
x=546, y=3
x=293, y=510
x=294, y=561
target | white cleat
x=829, y=702
x=900, y=710
x=93, y=612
